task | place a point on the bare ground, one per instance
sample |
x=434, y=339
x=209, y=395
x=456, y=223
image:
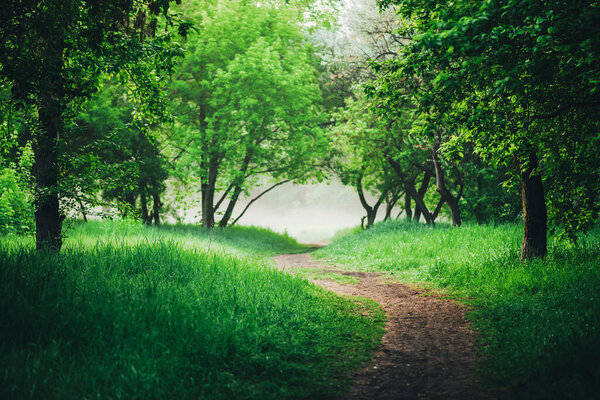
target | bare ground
x=428, y=349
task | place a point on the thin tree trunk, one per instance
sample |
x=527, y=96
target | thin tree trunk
x=371, y=211
x=534, y=212
x=411, y=191
x=407, y=206
x=230, y=206
x=421, y=205
x=440, y=182
x=144, y=204
x=421, y=192
x=208, y=196
x=156, y=205
x=48, y=219
x=237, y=190
x=390, y=203
x=82, y=210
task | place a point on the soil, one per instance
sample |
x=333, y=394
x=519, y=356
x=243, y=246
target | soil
x=427, y=351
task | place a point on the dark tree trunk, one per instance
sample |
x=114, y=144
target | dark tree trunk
x=82, y=210
x=389, y=205
x=407, y=206
x=156, y=205
x=412, y=192
x=421, y=192
x=208, y=197
x=144, y=204
x=534, y=212
x=440, y=182
x=237, y=189
x=390, y=202
x=371, y=211
x=208, y=218
x=48, y=219
x=230, y=206
x=420, y=205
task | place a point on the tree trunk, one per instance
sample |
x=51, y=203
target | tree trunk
x=144, y=203
x=156, y=207
x=534, y=212
x=371, y=211
x=407, y=206
x=230, y=206
x=48, y=219
x=440, y=182
x=82, y=210
x=390, y=202
x=421, y=192
x=389, y=205
x=208, y=196
x=412, y=192
x=238, y=188
x=420, y=205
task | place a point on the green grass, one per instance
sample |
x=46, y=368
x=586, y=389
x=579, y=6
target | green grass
x=539, y=321
x=320, y=274
x=140, y=313
x=239, y=240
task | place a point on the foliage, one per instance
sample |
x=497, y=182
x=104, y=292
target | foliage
x=518, y=79
x=247, y=101
x=52, y=58
x=123, y=159
x=538, y=321
x=127, y=311
x=16, y=208
x=363, y=142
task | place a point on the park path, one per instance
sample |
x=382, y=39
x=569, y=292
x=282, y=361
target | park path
x=427, y=351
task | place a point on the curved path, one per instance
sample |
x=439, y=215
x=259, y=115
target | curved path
x=427, y=351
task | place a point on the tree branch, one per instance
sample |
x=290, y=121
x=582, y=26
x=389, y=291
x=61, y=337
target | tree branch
x=256, y=198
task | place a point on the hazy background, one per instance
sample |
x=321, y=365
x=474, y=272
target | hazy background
x=309, y=213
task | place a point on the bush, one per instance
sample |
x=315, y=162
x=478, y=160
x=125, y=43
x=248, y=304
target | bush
x=16, y=208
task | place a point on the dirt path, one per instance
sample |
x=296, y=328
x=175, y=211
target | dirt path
x=427, y=351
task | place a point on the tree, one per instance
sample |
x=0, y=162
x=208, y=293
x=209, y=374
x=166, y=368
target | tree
x=519, y=81
x=53, y=54
x=124, y=153
x=247, y=102
x=364, y=144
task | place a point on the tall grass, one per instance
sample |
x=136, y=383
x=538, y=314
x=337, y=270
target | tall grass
x=539, y=321
x=129, y=312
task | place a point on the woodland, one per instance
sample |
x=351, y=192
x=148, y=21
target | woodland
x=469, y=131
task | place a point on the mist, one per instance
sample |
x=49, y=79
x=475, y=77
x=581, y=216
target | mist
x=309, y=213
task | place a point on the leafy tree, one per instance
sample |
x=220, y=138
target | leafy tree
x=16, y=208
x=53, y=54
x=518, y=79
x=123, y=151
x=247, y=101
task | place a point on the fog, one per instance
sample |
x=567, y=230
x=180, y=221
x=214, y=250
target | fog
x=308, y=213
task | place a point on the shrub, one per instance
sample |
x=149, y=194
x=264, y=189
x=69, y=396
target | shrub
x=16, y=208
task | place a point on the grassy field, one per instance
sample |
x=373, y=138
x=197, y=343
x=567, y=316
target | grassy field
x=539, y=322
x=128, y=312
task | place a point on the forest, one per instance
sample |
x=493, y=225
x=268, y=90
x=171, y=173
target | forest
x=135, y=136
